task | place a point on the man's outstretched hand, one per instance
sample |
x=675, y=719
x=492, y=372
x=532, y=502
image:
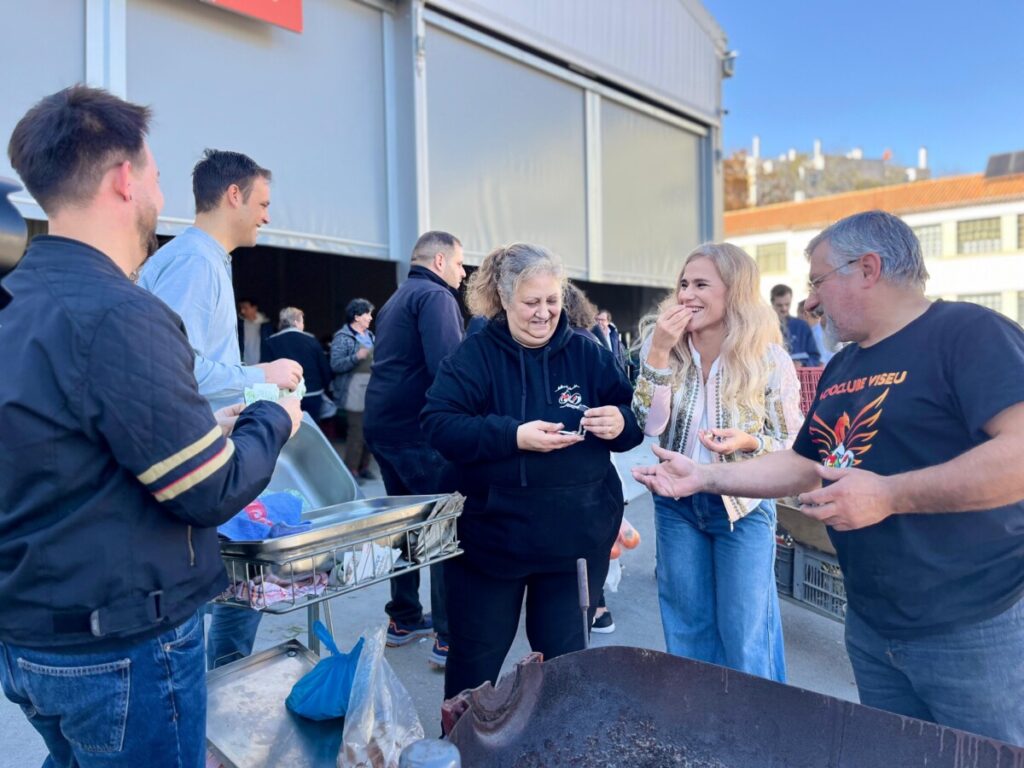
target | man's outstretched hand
x=674, y=476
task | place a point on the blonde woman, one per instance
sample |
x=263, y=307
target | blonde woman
x=715, y=384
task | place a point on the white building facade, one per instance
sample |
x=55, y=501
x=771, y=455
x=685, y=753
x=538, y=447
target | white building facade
x=971, y=231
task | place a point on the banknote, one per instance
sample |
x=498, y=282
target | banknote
x=272, y=392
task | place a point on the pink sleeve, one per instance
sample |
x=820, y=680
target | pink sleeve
x=661, y=409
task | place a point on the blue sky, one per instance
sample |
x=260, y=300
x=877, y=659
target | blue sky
x=879, y=75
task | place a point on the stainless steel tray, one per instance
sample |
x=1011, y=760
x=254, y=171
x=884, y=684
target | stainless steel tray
x=247, y=723
x=309, y=464
x=349, y=546
x=365, y=517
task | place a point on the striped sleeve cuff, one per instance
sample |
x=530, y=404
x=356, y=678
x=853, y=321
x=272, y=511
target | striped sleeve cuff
x=659, y=377
x=169, y=478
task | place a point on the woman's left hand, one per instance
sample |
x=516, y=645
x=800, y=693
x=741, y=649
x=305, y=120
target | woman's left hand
x=728, y=440
x=605, y=422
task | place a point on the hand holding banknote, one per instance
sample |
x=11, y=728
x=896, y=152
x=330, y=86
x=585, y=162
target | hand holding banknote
x=284, y=373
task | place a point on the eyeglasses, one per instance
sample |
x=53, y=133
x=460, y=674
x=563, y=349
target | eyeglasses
x=815, y=283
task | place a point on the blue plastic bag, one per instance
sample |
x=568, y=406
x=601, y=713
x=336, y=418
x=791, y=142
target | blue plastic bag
x=323, y=692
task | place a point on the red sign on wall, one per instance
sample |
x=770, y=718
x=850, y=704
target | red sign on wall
x=283, y=13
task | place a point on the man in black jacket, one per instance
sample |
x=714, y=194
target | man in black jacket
x=292, y=342
x=417, y=328
x=114, y=473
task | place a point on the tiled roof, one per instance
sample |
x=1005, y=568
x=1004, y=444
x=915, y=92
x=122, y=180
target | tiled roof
x=928, y=195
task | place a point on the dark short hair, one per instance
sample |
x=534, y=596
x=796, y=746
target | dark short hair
x=247, y=300
x=781, y=290
x=217, y=171
x=357, y=307
x=64, y=145
x=430, y=243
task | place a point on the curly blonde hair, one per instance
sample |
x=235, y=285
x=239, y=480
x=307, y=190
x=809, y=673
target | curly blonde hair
x=501, y=272
x=578, y=308
x=751, y=326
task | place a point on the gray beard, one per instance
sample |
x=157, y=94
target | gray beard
x=829, y=335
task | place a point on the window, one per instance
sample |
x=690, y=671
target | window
x=991, y=300
x=978, y=236
x=771, y=257
x=1020, y=307
x=931, y=240
x=1020, y=232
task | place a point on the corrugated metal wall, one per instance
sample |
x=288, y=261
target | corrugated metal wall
x=508, y=145
x=666, y=49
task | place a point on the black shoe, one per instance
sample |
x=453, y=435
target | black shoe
x=603, y=624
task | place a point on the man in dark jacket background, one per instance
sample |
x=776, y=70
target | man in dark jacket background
x=292, y=342
x=800, y=342
x=608, y=335
x=114, y=471
x=417, y=328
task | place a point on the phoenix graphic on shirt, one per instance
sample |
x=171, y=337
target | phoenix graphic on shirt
x=843, y=446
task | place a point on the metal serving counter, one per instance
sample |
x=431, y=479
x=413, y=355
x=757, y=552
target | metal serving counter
x=247, y=723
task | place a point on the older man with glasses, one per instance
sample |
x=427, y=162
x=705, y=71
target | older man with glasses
x=913, y=455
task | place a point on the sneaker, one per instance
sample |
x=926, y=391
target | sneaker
x=603, y=624
x=438, y=654
x=400, y=634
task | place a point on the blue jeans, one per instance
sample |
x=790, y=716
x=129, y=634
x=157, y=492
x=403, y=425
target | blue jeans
x=232, y=634
x=716, y=586
x=141, y=705
x=971, y=678
x=414, y=469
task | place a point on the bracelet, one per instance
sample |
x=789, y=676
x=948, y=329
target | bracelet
x=760, y=444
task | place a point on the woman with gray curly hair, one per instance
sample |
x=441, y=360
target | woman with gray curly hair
x=528, y=412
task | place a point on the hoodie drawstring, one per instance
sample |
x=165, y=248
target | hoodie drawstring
x=522, y=416
x=547, y=377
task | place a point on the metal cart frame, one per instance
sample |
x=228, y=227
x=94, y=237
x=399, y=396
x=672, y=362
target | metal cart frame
x=365, y=541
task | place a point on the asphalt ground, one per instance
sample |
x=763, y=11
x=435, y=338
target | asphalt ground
x=815, y=654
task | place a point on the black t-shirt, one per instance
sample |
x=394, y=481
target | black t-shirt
x=917, y=399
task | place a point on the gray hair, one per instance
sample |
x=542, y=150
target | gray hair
x=875, y=232
x=501, y=272
x=289, y=318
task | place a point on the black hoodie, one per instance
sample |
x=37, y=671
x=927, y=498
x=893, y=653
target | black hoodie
x=528, y=511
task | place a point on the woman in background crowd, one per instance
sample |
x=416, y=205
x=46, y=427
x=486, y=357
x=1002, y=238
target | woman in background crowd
x=716, y=385
x=351, y=358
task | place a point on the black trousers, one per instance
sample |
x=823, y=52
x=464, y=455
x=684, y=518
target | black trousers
x=483, y=617
x=414, y=469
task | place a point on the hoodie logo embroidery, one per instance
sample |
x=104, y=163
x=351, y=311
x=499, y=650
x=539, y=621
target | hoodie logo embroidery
x=569, y=397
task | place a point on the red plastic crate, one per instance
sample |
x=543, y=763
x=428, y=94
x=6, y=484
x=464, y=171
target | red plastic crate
x=808, y=385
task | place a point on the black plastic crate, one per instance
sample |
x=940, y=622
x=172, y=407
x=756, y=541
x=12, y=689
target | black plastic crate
x=818, y=582
x=783, y=566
